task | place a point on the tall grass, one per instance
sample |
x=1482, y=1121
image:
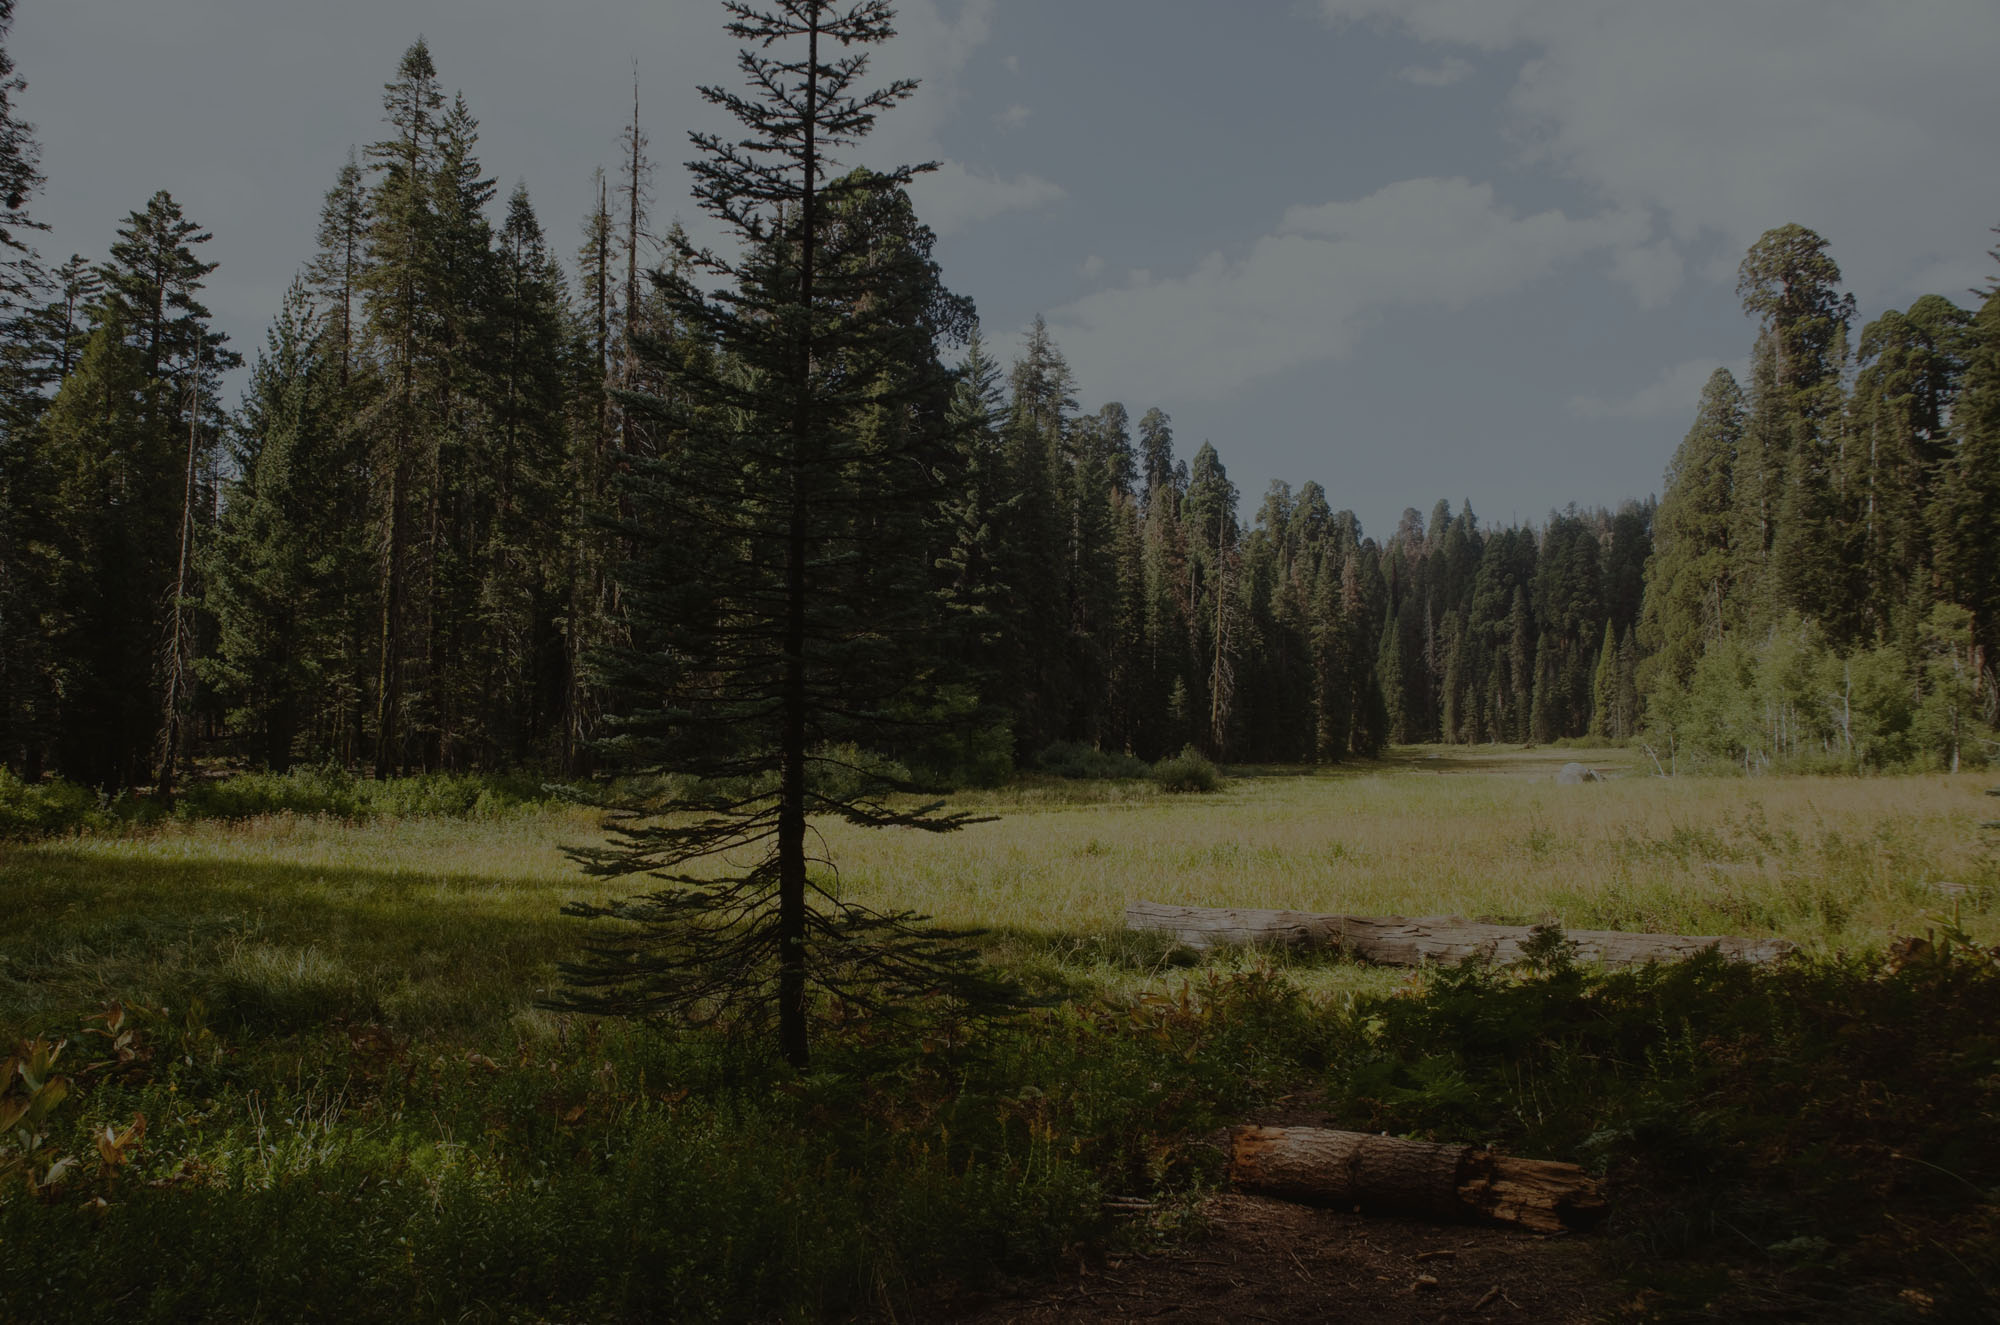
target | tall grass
x=356, y=1107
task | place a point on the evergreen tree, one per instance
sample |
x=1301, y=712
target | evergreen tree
x=400, y=300
x=781, y=604
x=1690, y=596
x=288, y=572
x=1040, y=538
x=1209, y=517
x=20, y=180
x=520, y=512
x=1788, y=282
x=1965, y=513
x=1900, y=439
x=112, y=490
x=335, y=274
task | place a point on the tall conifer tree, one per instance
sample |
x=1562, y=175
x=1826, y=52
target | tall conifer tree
x=782, y=598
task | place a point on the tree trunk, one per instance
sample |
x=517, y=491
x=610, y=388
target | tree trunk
x=792, y=918
x=1445, y=1182
x=1401, y=941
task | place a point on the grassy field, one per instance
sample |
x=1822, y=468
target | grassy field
x=354, y=1101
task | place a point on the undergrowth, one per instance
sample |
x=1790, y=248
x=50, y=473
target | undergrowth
x=55, y=808
x=1819, y=1138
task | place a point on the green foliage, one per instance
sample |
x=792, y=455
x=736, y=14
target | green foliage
x=1792, y=702
x=47, y=809
x=1188, y=771
x=606, y=1170
x=1073, y=759
x=1728, y=1102
x=333, y=791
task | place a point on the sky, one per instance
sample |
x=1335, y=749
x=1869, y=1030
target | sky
x=1415, y=250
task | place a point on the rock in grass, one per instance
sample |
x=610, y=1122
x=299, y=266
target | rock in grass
x=1574, y=774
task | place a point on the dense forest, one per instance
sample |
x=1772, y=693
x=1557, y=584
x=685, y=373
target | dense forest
x=427, y=536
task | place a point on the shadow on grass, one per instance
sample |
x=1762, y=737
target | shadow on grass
x=267, y=946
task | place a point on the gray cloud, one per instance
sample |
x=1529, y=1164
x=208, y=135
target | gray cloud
x=1304, y=292
x=1668, y=396
x=1451, y=69
x=1733, y=116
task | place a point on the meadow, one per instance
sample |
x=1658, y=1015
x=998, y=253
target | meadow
x=356, y=1105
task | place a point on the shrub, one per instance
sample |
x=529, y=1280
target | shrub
x=1074, y=759
x=328, y=789
x=1189, y=770
x=47, y=809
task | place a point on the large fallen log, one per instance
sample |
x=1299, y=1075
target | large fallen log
x=1448, y=1182
x=1406, y=941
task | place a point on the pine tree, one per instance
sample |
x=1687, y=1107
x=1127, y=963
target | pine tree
x=114, y=497
x=1900, y=440
x=1965, y=513
x=1209, y=517
x=288, y=572
x=403, y=328
x=636, y=189
x=27, y=699
x=519, y=511
x=781, y=605
x=335, y=274
x=1788, y=282
x=20, y=180
x=1604, y=718
x=1691, y=591
x=1039, y=537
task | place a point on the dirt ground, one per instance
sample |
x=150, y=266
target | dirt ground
x=1261, y=1259
x=1269, y=1260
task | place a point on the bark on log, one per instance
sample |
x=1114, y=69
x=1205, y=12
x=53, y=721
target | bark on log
x=1316, y=1166
x=1410, y=941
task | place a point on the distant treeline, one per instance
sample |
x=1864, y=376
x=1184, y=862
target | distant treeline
x=410, y=547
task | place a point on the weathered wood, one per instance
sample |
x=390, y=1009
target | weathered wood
x=1322, y=1167
x=1317, y=1166
x=1407, y=941
x=1543, y=1194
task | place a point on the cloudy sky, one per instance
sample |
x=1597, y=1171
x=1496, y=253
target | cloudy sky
x=1413, y=249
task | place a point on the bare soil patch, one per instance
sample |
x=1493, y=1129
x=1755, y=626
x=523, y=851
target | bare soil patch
x=1269, y=1260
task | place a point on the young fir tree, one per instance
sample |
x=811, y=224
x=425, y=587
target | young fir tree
x=288, y=572
x=781, y=602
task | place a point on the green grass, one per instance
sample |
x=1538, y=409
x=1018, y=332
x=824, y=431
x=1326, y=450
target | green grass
x=356, y=1109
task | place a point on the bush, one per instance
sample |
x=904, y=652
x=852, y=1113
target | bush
x=1187, y=771
x=1074, y=759
x=47, y=809
x=331, y=790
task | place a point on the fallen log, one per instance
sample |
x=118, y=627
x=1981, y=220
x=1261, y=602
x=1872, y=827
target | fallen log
x=1408, y=941
x=1316, y=1166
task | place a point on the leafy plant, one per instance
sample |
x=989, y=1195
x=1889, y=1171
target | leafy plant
x=1187, y=771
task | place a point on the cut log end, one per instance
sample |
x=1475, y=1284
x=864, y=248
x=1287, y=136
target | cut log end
x=1317, y=1166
